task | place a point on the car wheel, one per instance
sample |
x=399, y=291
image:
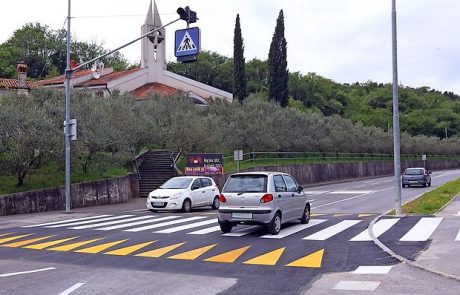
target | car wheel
x=215, y=203
x=305, y=215
x=186, y=206
x=403, y=186
x=429, y=183
x=274, y=226
x=226, y=227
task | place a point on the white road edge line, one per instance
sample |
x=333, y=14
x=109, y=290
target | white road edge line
x=25, y=272
x=351, y=198
x=71, y=289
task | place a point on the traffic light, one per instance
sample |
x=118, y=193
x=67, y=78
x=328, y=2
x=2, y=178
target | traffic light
x=186, y=14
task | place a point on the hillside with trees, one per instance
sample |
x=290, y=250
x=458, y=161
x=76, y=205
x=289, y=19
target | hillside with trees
x=423, y=111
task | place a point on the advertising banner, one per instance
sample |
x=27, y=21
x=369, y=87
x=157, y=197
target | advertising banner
x=198, y=164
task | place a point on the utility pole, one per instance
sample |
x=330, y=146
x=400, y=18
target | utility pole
x=396, y=135
x=68, y=76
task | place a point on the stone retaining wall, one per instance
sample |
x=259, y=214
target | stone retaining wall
x=102, y=192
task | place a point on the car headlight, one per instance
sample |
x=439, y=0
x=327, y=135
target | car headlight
x=174, y=197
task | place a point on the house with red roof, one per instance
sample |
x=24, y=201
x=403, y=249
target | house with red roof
x=151, y=76
x=20, y=84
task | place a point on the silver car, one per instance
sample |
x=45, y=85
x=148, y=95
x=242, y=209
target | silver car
x=267, y=198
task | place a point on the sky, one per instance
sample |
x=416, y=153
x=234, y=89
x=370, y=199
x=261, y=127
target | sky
x=344, y=40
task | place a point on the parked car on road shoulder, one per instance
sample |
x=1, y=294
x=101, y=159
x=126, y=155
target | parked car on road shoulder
x=267, y=198
x=184, y=193
x=416, y=176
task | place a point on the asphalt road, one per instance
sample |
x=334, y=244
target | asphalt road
x=125, y=249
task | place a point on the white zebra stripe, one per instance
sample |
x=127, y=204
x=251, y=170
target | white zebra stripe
x=186, y=226
x=332, y=230
x=205, y=230
x=89, y=221
x=66, y=221
x=423, y=230
x=152, y=226
x=379, y=228
x=294, y=229
x=111, y=222
x=131, y=224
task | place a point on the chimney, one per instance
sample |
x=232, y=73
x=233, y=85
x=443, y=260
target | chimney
x=22, y=75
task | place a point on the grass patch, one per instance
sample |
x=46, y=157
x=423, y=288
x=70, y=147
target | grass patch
x=52, y=176
x=432, y=202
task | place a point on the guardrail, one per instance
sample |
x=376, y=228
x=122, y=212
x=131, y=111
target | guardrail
x=254, y=159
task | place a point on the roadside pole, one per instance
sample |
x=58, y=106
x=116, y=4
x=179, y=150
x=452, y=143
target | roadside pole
x=396, y=133
x=67, y=117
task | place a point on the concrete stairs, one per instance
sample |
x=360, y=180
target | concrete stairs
x=155, y=170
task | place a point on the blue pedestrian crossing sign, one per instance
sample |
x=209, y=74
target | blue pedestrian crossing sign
x=187, y=44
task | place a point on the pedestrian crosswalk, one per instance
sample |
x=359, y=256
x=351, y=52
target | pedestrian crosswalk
x=318, y=229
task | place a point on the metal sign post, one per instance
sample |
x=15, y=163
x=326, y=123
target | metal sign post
x=238, y=156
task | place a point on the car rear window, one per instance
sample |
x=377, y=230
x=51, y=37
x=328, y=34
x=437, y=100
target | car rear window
x=246, y=183
x=414, y=172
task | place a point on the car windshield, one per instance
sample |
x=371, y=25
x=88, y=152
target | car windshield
x=175, y=183
x=246, y=184
x=414, y=172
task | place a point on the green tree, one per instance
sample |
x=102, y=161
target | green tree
x=277, y=65
x=28, y=136
x=239, y=73
x=44, y=51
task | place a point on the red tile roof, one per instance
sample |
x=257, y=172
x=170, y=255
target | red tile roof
x=109, y=77
x=61, y=79
x=14, y=84
x=144, y=90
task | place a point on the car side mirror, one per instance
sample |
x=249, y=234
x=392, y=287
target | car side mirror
x=300, y=188
x=195, y=187
x=429, y=172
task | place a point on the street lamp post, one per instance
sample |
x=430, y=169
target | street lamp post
x=396, y=133
x=189, y=17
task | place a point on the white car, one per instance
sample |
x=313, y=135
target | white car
x=184, y=193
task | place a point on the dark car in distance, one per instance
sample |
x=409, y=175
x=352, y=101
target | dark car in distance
x=416, y=176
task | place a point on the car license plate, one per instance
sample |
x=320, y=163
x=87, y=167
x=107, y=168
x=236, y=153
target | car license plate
x=413, y=181
x=157, y=204
x=242, y=215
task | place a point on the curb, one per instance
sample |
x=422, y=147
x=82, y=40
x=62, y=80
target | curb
x=402, y=259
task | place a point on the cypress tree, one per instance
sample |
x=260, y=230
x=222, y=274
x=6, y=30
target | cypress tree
x=239, y=73
x=277, y=65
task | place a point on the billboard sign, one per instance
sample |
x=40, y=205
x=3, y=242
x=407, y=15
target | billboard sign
x=198, y=164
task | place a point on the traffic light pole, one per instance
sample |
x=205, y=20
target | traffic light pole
x=68, y=89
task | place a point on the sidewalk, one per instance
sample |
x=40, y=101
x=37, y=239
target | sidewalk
x=443, y=253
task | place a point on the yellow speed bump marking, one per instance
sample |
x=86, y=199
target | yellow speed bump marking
x=72, y=246
x=313, y=260
x=100, y=248
x=25, y=242
x=317, y=214
x=270, y=258
x=193, y=254
x=128, y=250
x=228, y=257
x=49, y=244
x=160, y=251
x=5, y=240
x=365, y=214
